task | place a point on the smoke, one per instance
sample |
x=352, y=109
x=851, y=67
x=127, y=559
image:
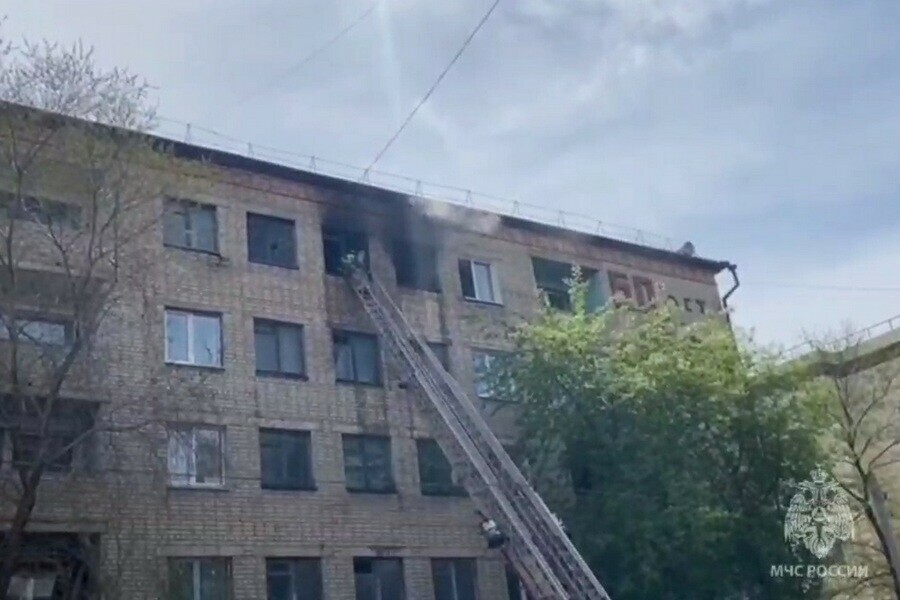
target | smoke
x=458, y=216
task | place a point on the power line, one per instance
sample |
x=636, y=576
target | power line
x=433, y=87
x=816, y=286
x=306, y=59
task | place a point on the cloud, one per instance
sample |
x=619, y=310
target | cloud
x=764, y=131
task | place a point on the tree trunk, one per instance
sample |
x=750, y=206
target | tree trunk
x=11, y=547
x=884, y=529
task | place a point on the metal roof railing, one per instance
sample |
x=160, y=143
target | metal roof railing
x=863, y=335
x=182, y=131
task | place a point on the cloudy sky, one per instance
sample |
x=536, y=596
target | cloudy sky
x=765, y=131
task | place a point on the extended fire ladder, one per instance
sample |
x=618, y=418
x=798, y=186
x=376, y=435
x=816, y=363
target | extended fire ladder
x=546, y=562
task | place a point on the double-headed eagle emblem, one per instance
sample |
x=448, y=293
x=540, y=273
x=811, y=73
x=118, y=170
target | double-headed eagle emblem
x=818, y=515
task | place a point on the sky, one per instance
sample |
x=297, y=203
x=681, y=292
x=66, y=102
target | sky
x=766, y=132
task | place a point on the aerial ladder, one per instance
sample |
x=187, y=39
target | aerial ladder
x=535, y=545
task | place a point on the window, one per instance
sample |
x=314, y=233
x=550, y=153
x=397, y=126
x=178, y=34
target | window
x=193, y=338
x=271, y=241
x=32, y=586
x=190, y=225
x=356, y=357
x=416, y=265
x=196, y=456
x=40, y=210
x=367, y=463
x=199, y=579
x=67, y=429
x=435, y=472
x=454, y=578
x=37, y=330
x=441, y=351
x=553, y=279
x=378, y=579
x=285, y=459
x=279, y=348
x=483, y=361
x=479, y=281
x=338, y=243
x=514, y=588
x=25, y=447
x=294, y=578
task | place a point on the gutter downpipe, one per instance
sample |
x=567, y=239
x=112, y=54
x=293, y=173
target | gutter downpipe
x=732, y=268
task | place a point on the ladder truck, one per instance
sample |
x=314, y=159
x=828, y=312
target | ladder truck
x=529, y=535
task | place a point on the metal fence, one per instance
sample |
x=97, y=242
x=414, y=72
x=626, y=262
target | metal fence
x=203, y=136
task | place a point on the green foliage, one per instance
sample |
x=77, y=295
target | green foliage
x=680, y=444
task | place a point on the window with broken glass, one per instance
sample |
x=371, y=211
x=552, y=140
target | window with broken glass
x=190, y=225
x=199, y=578
x=271, y=241
x=367, y=463
x=196, y=456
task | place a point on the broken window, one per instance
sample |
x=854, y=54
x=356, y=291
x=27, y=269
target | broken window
x=190, y=225
x=196, y=455
x=479, y=281
x=554, y=280
x=356, y=357
x=279, y=348
x=416, y=265
x=378, y=578
x=294, y=578
x=199, y=578
x=193, y=338
x=454, y=578
x=285, y=459
x=435, y=472
x=338, y=243
x=271, y=241
x=367, y=463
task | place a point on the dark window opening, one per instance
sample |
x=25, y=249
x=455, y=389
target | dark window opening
x=279, y=348
x=63, y=433
x=378, y=578
x=294, y=579
x=416, y=265
x=514, y=588
x=338, y=243
x=190, y=225
x=553, y=280
x=442, y=352
x=40, y=210
x=367, y=463
x=454, y=578
x=356, y=357
x=285, y=459
x=271, y=241
x=435, y=471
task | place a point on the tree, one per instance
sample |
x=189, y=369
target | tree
x=862, y=382
x=680, y=443
x=79, y=190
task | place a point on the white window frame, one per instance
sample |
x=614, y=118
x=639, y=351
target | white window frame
x=493, y=280
x=197, y=577
x=177, y=479
x=191, y=316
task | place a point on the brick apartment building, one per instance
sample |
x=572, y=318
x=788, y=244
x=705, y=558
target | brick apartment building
x=292, y=463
